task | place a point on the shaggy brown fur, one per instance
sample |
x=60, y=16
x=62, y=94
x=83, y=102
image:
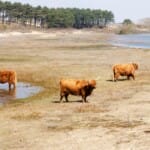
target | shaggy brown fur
x=82, y=88
x=8, y=76
x=124, y=70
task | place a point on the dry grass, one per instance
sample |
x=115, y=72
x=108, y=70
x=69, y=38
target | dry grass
x=121, y=123
x=89, y=108
x=127, y=29
x=43, y=59
x=27, y=117
x=69, y=123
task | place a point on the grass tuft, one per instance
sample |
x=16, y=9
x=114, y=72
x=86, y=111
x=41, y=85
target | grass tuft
x=27, y=117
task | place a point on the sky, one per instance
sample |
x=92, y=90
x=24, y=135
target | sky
x=122, y=9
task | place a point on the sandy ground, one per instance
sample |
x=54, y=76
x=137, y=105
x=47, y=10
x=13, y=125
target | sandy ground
x=117, y=116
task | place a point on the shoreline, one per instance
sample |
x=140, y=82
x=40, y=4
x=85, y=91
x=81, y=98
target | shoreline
x=140, y=40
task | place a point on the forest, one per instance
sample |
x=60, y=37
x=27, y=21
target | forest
x=44, y=17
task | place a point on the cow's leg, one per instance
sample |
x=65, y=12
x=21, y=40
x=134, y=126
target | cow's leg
x=61, y=97
x=9, y=84
x=66, y=97
x=116, y=76
x=128, y=77
x=14, y=85
x=85, y=99
x=133, y=76
x=83, y=95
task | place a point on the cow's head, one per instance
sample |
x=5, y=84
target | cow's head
x=91, y=86
x=135, y=66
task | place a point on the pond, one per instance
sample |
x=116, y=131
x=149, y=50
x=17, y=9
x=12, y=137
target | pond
x=23, y=90
x=132, y=40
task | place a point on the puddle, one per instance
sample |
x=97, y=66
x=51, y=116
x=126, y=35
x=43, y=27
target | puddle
x=23, y=90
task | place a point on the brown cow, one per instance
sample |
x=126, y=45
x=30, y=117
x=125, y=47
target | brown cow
x=125, y=70
x=82, y=88
x=8, y=76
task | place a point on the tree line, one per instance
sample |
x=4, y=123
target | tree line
x=45, y=17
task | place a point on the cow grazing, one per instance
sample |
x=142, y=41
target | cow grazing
x=124, y=70
x=82, y=88
x=8, y=76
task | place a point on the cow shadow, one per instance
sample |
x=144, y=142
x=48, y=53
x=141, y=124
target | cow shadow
x=110, y=80
x=74, y=101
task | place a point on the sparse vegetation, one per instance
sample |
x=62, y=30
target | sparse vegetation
x=27, y=117
x=40, y=122
x=127, y=29
x=89, y=108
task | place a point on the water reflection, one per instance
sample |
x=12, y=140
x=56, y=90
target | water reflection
x=23, y=90
x=6, y=95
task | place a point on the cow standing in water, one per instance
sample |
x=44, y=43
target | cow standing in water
x=82, y=88
x=8, y=76
x=125, y=70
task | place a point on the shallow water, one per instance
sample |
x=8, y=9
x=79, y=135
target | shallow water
x=132, y=40
x=23, y=90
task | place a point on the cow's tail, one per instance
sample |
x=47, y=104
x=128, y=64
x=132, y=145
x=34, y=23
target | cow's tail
x=114, y=72
x=60, y=82
x=60, y=85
